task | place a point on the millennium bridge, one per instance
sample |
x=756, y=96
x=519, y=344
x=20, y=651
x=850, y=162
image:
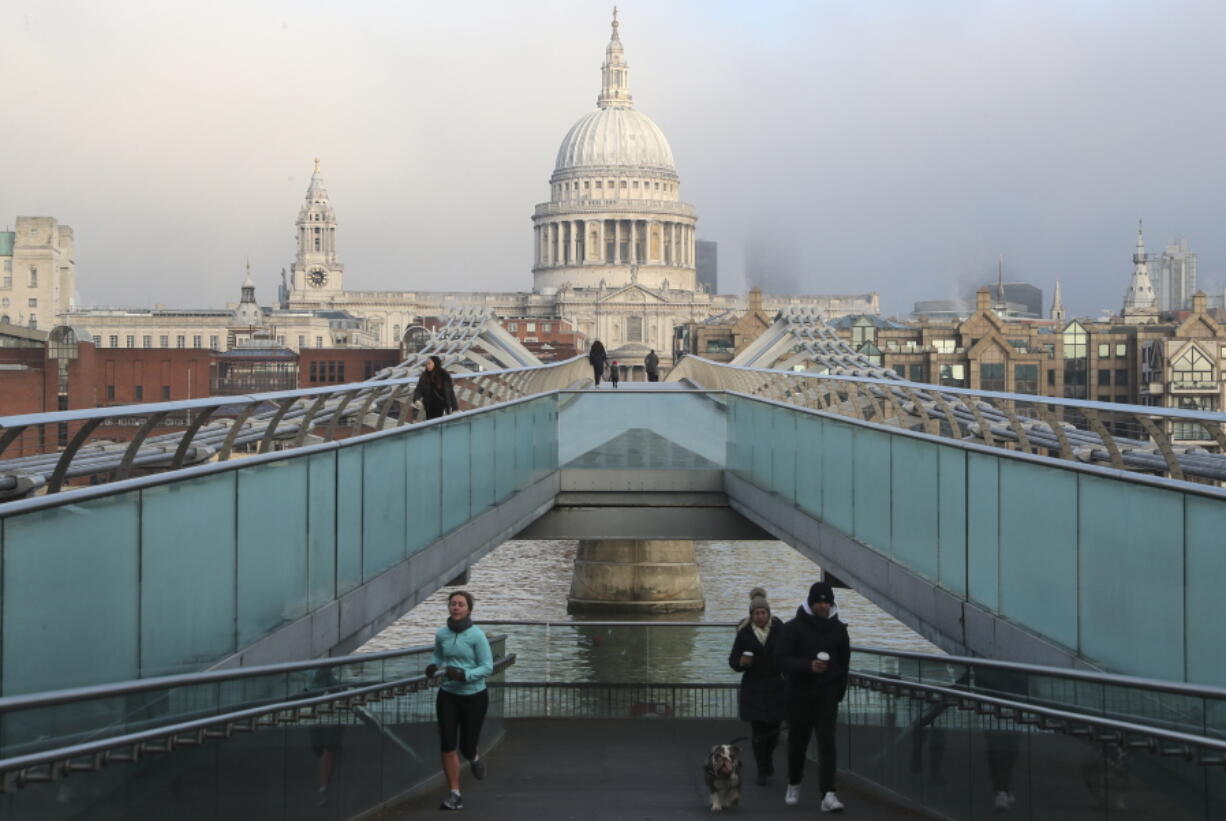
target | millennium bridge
x=182, y=586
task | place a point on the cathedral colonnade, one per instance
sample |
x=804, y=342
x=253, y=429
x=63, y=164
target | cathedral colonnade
x=614, y=241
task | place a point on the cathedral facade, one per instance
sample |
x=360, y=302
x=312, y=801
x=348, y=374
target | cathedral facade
x=614, y=247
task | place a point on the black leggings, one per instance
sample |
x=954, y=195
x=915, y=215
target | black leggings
x=597, y=372
x=462, y=715
x=804, y=718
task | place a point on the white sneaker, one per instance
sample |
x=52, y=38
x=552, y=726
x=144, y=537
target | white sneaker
x=1002, y=802
x=793, y=796
x=831, y=803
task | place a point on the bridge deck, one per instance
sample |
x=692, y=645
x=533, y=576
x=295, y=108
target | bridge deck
x=603, y=770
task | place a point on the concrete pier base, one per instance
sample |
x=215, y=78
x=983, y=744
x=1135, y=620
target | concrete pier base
x=635, y=576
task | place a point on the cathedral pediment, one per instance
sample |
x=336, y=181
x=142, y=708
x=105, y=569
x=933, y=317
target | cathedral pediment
x=633, y=294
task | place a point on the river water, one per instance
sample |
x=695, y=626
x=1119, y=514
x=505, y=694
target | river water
x=529, y=580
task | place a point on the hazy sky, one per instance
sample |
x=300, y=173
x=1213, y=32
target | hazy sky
x=893, y=146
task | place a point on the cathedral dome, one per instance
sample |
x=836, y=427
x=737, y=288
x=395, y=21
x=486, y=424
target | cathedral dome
x=617, y=138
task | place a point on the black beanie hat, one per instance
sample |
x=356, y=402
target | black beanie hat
x=821, y=591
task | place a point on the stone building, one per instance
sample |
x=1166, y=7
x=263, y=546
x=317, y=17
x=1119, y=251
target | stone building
x=1187, y=370
x=222, y=329
x=614, y=247
x=720, y=338
x=37, y=272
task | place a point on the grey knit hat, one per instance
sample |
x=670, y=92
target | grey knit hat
x=757, y=598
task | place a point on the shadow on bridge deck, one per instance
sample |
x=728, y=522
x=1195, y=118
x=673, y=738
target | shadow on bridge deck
x=602, y=770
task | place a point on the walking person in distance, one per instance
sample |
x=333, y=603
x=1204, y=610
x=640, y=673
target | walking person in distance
x=597, y=358
x=435, y=391
x=814, y=653
x=462, y=653
x=761, y=697
x=652, y=364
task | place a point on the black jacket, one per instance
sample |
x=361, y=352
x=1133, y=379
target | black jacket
x=801, y=640
x=652, y=364
x=597, y=357
x=761, y=695
x=437, y=399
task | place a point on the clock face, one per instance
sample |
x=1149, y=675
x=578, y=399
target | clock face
x=317, y=277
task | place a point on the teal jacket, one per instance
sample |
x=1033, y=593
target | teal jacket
x=470, y=652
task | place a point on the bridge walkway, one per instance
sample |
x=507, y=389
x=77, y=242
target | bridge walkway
x=608, y=770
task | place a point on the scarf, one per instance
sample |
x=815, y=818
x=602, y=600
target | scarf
x=761, y=632
x=461, y=625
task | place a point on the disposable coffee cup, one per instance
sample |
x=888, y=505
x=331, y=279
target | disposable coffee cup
x=747, y=652
x=823, y=656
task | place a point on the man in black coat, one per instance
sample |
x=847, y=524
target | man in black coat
x=814, y=655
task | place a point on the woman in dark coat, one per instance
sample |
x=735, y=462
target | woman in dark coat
x=762, y=701
x=597, y=357
x=435, y=391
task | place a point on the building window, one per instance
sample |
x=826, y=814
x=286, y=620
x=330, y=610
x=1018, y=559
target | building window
x=165, y=393
x=513, y=327
x=138, y=393
x=110, y=393
x=33, y=303
x=131, y=341
x=623, y=183
x=863, y=331
x=1121, y=349
x=530, y=327
x=1026, y=378
x=953, y=376
x=915, y=373
x=280, y=340
x=147, y=341
x=1193, y=431
x=180, y=341
x=301, y=341
x=164, y=341
x=992, y=376
x=33, y=277
x=319, y=342
x=943, y=345
x=634, y=329
x=1076, y=365
x=1121, y=376
x=1193, y=370
x=1104, y=350
x=97, y=341
x=314, y=372
x=1104, y=376
x=113, y=341
x=1051, y=377
x=546, y=327
x=598, y=183
x=197, y=340
x=213, y=342
x=33, y=321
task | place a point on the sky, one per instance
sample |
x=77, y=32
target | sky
x=890, y=145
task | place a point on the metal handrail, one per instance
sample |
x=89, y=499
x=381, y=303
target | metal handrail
x=867, y=393
x=1046, y=717
x=53, y=698
x=287, y=414
x=18, y=771
x=1095, y=676
x=1091, y=676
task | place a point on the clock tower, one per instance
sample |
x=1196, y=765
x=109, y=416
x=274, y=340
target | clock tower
x=316, y=272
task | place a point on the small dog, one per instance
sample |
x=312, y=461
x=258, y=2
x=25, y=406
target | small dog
x=1106, y=776
x=722, y=773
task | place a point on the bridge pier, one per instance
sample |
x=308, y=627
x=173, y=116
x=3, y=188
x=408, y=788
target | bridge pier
x=635, y=576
